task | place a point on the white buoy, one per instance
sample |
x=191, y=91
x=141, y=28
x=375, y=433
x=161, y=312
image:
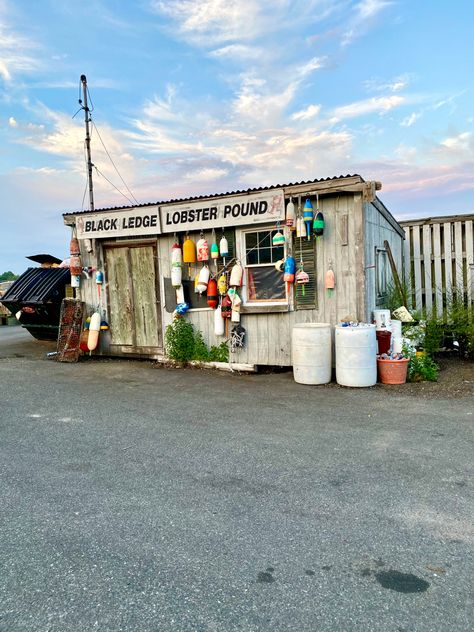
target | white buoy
x=219, y=325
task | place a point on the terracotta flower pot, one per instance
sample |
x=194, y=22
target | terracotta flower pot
x=392, y=371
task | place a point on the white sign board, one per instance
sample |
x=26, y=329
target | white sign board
x=110, y=224
x=256, y=208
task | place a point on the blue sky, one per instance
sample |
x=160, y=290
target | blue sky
x=206, y=96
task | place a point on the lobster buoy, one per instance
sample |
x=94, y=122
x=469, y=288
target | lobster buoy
x=99, y=277
x=226, y=306
x=222, y=284
x=278, y=239
x=189, y=251
x=330, y=282
x=308, y=215
x=196, y=283
x=203, y=280
x=302, y=278
x=290, y=269
x=289, y=276
x=180, y=295
x=318, y=224
x=75, y=265
x=94, y=329
x=83, y=340
x=236, y=303
x=212, y=298
x=75, y=280
x=176, y=254
x=236, y=275
x=290, y=213
x=74, y=246
x=300, y=227
x=214, y=251
x=176, y=275
x=224, y=247
x=219, y=325
x=202, y=250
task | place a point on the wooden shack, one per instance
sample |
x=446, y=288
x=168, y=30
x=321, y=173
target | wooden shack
x=132, y=247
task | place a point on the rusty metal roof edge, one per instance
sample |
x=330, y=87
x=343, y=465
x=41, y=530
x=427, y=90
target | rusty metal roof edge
x=216, y=195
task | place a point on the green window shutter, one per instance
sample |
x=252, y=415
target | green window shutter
x=308, y=254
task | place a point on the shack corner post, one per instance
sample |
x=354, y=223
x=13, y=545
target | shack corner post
x=308, y=252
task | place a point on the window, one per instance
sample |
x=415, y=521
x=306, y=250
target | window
x=262, y=282
x=380, y=273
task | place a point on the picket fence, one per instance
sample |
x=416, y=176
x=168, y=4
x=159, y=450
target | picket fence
x=439, y=261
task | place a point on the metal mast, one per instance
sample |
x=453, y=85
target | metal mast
x=87, y=119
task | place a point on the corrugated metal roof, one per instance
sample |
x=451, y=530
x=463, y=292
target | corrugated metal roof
x=37, y=285
x=215, y=195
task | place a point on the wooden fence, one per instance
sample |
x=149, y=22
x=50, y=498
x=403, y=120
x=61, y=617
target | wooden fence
x=439, y=261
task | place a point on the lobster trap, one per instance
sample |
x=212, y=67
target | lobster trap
x=70, y=328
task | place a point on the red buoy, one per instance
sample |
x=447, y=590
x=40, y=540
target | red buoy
x=212, y=299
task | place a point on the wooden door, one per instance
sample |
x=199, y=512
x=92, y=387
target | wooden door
x=133, y=296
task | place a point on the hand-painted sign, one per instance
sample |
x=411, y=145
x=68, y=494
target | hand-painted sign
x=138, y=221
x=257, y=208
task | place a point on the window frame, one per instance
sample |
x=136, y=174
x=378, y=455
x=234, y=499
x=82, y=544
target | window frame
x=241, y=246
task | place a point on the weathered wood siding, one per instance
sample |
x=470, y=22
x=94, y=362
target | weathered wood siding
x=268, y=339
x=439, y=259
x=377, y=229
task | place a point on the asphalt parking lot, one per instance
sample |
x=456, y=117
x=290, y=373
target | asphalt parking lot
x=138, y=498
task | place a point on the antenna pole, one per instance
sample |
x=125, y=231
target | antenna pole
x=87, y=119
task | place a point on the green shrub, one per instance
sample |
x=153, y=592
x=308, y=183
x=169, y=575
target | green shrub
x=184, y=343
x=422, y=369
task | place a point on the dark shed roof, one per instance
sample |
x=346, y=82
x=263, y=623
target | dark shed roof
x=37, y=285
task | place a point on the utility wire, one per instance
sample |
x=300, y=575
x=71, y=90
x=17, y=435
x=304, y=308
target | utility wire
x=113, y=164
x=112, y=184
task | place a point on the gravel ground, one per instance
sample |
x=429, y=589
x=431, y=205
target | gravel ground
x=138, y=498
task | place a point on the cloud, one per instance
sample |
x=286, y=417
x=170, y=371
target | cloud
x=396, y=84
x=363, y=16
x=12, y=122
x=237, y=52
x=410, y=120
x=15, y=50
x=461, y=142
x=379, y=105
x=303, y=115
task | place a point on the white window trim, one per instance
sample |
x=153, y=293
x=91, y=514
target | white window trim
x=240, y=247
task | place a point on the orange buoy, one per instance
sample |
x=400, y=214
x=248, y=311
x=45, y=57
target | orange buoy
x=74, y=246
x=75, y=265
x=189, y=251
x=212, y=299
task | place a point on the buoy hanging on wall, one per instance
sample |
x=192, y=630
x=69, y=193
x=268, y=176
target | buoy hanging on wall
x=302, y=278
x=289, y=276
x=308, y=216
x=94, y=329
x=330, y=282
x=224, y=247
x=203, y=279
x=236, y=275
x=202, y=249
x=290, y=213
x=300, y=227
x=222, y=284
x=214, y=246
x=212, y=298
x=318, y=224
x=176, y=254
x=176, y=275
x=74, y=246
x=278, y=238
x=219, y=325
x=75, y=265
x=189, y=251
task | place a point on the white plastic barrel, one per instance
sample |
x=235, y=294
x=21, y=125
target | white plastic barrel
x=356, y=355
x=396, y=328
x=311, y=353
x=397, y=344
x=382, y=319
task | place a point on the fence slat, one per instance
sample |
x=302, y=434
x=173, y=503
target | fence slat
x=427, y=267
x=448, y=260
x=438, y=273
x=470, y=262
x=417, y=268
x=458, y=256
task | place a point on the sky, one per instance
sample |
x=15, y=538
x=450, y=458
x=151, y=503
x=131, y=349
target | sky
x=195, y=97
